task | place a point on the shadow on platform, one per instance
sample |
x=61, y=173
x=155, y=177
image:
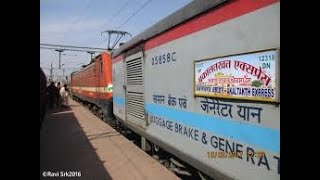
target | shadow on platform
x=64, y=147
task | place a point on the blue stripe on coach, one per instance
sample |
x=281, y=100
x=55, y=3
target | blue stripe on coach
x=263, y=137
x=119, y=100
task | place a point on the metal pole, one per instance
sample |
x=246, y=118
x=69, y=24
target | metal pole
x=91, y=53
x=60, y=51
x=63, y=74
x=59, y=60
x=51, y=72
x=109, y=41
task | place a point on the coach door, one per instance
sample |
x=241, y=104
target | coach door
x=134, y=79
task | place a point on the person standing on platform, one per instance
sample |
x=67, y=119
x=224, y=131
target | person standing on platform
x=64, y=96
x=58, y=98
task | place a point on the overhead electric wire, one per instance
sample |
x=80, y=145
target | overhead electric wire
x=118, y=12
x=84, y=10
x=111, y=18
x=127, y=20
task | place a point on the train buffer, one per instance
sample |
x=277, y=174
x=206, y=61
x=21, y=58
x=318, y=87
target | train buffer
x=76, y=143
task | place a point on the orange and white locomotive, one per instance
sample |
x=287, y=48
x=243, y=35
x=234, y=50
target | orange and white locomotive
x=93, y=84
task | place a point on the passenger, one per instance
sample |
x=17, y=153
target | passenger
x=51, y=90
x=58, y=98
x=64, y=96
x=43, y=96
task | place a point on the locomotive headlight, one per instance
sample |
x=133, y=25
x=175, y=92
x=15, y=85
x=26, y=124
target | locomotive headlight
x=109, y=88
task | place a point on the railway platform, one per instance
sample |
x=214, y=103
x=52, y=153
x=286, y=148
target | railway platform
x=76, y=143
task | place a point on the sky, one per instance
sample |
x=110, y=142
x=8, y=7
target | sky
x=80, y=23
